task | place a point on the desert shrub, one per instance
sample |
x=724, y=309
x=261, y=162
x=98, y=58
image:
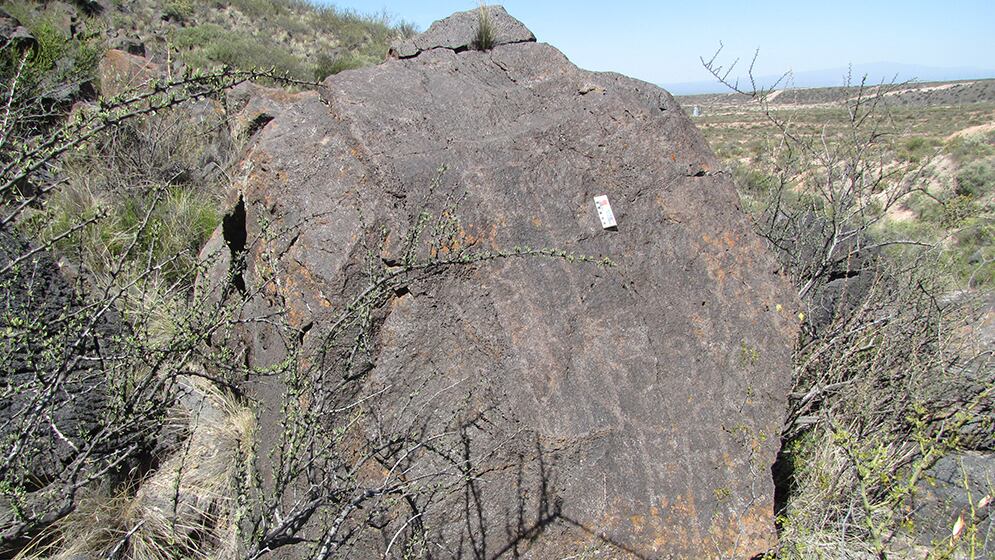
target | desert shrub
x=976, y=179
x=58, y=71
x=326, y=66
x=973, y=256
x=150, y=188
x=917, y=148
x=964, y=149
x=98, y=319
x=165, y=228
x=179, y=10
x=257, y=8
x=485, y=36
x=957, y=210
x=200, y=516
x=883, y=393
x=210, y=45
x=888, y=380
x=753, y=181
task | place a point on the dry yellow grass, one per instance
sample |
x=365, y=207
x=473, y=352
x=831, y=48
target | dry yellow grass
x=185, y=509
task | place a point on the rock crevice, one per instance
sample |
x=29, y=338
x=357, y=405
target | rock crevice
x=458, y=33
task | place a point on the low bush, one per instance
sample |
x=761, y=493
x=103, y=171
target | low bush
x=178, y=10
x=326, y=66
x=49, y=78
x=976, y=179
x=965, y=149
x=163, y=227
x=210, y=45
x=917, y=148
x=888, y=375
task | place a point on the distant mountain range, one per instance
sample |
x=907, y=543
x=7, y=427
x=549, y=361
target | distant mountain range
x=876, y=72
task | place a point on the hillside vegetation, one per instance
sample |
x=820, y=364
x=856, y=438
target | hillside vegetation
x=947, y=128
x=295, y=37
x=879, y=201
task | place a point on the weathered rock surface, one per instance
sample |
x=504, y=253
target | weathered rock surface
x=458, y=33
x=13, y=33
x=631, y=411
x=121, y=71
x=54, y=390
x=954, y=489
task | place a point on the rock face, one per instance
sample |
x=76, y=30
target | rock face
x=954, y=488
x=630, y=411
x=49, y=354
x=120, y=71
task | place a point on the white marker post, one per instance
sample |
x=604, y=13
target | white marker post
x=605, y=212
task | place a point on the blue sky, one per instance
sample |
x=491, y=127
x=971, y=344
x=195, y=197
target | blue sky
x=660, y=42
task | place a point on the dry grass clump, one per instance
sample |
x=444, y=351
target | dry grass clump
x=486, y=34
x=187, y=508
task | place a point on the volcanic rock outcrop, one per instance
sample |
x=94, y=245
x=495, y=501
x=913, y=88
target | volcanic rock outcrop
x=633, y=409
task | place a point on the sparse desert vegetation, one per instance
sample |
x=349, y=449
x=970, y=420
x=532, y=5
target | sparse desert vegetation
x=879, y=201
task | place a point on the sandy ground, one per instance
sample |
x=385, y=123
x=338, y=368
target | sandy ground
x=972, y=130
x=940, y=87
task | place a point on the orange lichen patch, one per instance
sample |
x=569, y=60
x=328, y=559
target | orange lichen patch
x=283, y=96
x=744, y=535
x=536, y=222
x=476, y=235
x=700, y=326
x=724, y=242
x=728, y=461
x=724, y=255
x=296, y=287
x=396, y=303
x=677, y=530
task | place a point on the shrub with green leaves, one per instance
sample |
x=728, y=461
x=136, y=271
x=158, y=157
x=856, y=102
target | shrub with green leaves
x=52, y=75
x=969, y=148
x=210, y=45
x=179, y=10
x=165, y=227
x=326, y=66
x=917, y=148
x=976, y=179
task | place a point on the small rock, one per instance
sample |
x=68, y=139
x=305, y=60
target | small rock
x=120, y=71
x=590, y=88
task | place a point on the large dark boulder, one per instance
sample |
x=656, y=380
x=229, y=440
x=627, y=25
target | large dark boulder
x=630, y=411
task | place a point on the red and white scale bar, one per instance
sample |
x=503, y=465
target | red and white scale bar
x=605, y=212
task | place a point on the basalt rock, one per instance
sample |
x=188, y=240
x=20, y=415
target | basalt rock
x=953, y=490
x=55, y=391
x=13, y=33
x=629, y=411
x=121, y=71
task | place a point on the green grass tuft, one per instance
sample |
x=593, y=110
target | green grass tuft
x=485, y=37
